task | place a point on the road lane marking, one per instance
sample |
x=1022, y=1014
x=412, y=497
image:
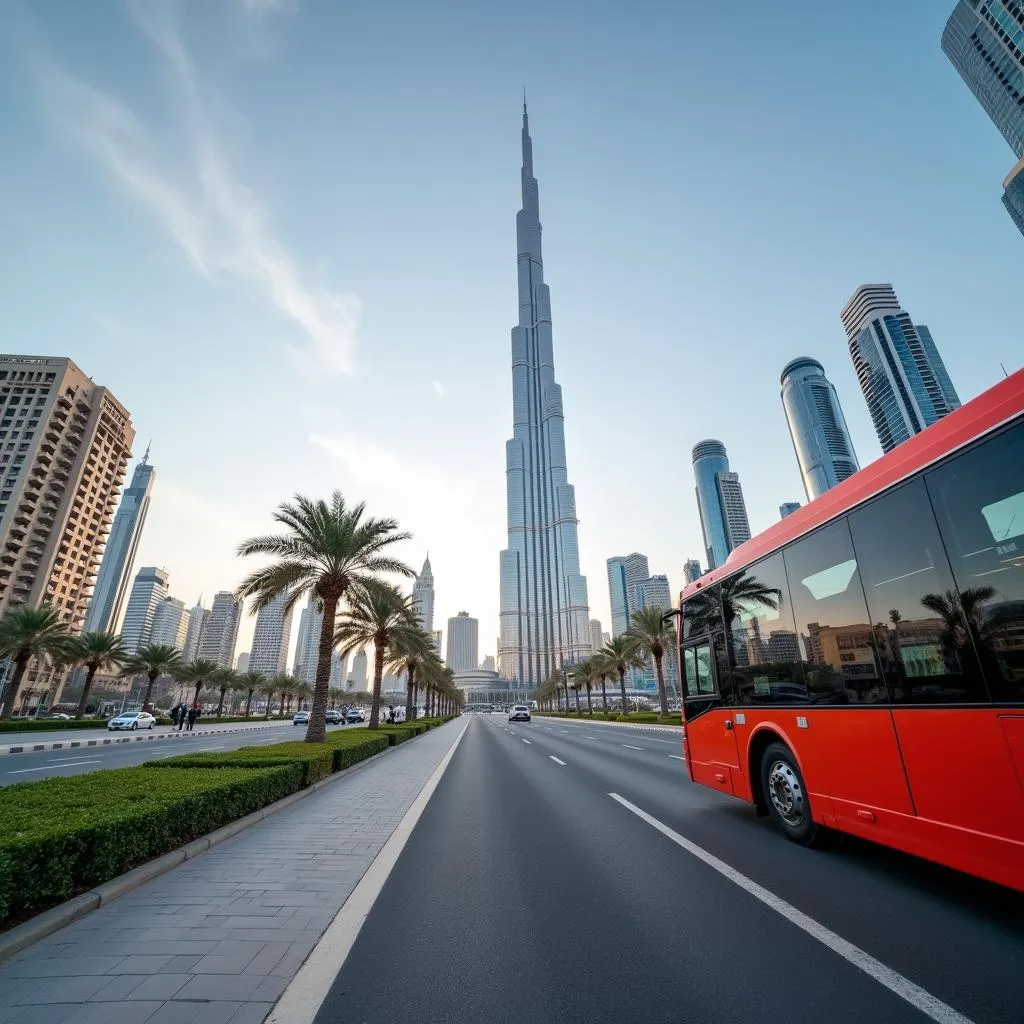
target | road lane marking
x=918, y=997
x=676, y=757
x=309, y=988
x=557, y=760
x=54, y=767
x=526, y=741
x=200, y=750
x=590, y=737
x=630, y=746
x=565, y=730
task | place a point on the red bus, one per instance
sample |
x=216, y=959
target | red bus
x=860, y=665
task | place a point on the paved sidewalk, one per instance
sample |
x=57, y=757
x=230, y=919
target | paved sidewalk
x=219, y=938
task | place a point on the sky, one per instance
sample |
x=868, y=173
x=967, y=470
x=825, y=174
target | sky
x=282, y=232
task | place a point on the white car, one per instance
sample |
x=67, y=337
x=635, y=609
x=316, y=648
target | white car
x=300, y=718
x=132, y=720
x=519, y=713
x=355, y=715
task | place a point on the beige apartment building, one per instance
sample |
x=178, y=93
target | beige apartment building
x=64, y=448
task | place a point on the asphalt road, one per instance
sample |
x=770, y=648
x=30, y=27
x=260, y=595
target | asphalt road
x=28, y=767
x=528, y=893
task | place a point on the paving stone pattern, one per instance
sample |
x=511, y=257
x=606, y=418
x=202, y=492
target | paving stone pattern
x=219, y=938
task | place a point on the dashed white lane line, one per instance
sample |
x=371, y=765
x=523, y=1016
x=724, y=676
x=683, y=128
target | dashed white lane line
x=630, y=746
x=557, y=760
x=929, y=1005
x=526, y=740
x=590, y=737
x=676, y=757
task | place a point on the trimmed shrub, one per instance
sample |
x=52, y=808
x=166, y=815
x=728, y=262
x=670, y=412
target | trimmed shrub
x=62, y=836
x=352, y=747
x=315, y=760
x=50, y=724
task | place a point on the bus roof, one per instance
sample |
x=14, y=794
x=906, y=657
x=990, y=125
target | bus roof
x=992, y=408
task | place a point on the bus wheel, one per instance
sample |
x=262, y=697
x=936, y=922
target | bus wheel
x=786, y=795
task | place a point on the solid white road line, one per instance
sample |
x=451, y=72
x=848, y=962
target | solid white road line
x=676, y=757
x=557, y=760
x=631, y=747
x=63, y=764
x=308, y=989
x=590, y=737
x=922, y=1000
x=526, y=741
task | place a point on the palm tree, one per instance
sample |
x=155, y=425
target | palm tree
x=27, y=633
x=622, y=654
x=225, y=679
x=408, y=654
x=655, y=636
x=283, y=684
x=586, y=674
x=329, y=551
x=269, y=689
x=198, y=674
x=380, y=615
x=302, y=691
x=152, y=660
x=251, y=682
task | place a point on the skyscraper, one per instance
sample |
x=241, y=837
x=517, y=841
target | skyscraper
x=596, y=642
x=654, y=592
x=270, y=637
x=691, y=570
x=624, y=573
x=307, y=649
x=817, y=426
x=423, y=597
x=1013, y=195
x=985, y=42
x=197, y=619
x=170, y=623
x=358, y=676
x=723, y=513
x=543, y=596
x=242, y=662
x=221, y=630
x=903, y=378
x=119, y=555
x=787, y=508
x=463, y=643
x=148, y=591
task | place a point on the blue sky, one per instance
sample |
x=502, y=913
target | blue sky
x=282, y=232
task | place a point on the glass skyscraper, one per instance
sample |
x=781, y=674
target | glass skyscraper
x=901, y=373
x=543, y=596
x=1013, y=195
x=723, y=513
x=625, y=573
x=817, y=426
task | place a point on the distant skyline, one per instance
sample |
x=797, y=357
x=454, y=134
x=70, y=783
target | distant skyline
x=281, y=235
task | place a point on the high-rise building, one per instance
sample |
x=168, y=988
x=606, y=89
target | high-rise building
x=357, y=679
x=817, y=427
x=197, y=619
x=148, y=592
x=111, y=588
x=438, y=637
x=221, y=631
x=463, y=643
x=423, y=597
x=723, y=513
x=337, y=677
x=903, y=378
x=624, y=573
x=170, y=624
x=692, y=570
x=64, y=446
x=596, y=643
x=543, y=596
x=985, y=41
x=654, y=592
x=787, y=508
x=487, y=665
x=242, y=662
x=270, y=637
x=1013, y=195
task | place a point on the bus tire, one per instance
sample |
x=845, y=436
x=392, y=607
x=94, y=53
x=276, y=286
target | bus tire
x=786, y=795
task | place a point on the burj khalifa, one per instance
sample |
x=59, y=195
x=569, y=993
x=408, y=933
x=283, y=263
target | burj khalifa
x=544, y=608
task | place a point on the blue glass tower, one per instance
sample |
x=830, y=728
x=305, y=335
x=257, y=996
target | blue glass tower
x=544, y=614
x=817, y=426
x=723, y=514
x=1013, y=195
x=901, y=373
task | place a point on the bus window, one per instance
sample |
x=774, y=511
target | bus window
x=832, y=619
x=906, y=576
x=761, y=638
x=978, y=499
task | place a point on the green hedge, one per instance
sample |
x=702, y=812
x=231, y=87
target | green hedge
x=62, y=836
x=49, y=724
x=315, y=761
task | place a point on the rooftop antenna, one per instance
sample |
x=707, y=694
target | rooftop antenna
x=145, y=457
x=1003, y=368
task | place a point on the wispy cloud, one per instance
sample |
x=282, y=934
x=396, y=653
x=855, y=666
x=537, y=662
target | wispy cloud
x=438, y=388
x=219, y=223
x=261, y=7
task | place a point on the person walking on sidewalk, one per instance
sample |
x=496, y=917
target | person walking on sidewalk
x=193, y=714
x=182, y=715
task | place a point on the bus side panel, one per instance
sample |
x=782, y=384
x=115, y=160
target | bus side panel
x=968, y=795
x=711, y=746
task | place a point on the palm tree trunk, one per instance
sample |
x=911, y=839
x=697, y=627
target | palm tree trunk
x=86, y=686
x=220, y=703
x=280, y=710
x=248, y=704
x=415, y=702
x=199, y=687
x=316, y=731
x=622, y=690
x=590, y=703
x=604, y=695
x=659, y=672
x=378, y=675
x=149, y=689
x=576, y=692
x=410, y=683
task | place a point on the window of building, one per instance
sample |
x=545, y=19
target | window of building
x=832, y=619
x=978, y=499
x=907, y=581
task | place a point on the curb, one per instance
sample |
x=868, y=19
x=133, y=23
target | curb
x=32, y=748
x=22, y=936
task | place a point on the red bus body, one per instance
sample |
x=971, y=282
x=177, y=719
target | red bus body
x=921, y=770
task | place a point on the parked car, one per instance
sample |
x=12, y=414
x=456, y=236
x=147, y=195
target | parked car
x=60, y=717
x=132, y=720
x=519, y=713
x=355, y=715
x=332, y=717
x=300, y=718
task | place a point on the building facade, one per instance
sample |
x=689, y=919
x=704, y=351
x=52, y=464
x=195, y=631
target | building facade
x=596, y=633
x=197, y=619
x=221, y=630
x=423, y=597
x=654, y=592
x=544, y=612
x=624, y=573
x=817, y=427
x=111, y=588
x=357, y=678
x=692, y=570
x=147, y=593
x=242, y=662
x=901, y=373
x=787, y=508
x=1013, y=195
x=463, y=643
x=723, y=512
x=64, y=447
x=170, y=624
x=270, y=638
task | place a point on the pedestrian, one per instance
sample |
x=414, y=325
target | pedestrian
x=182, y=715
x=193, y=714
